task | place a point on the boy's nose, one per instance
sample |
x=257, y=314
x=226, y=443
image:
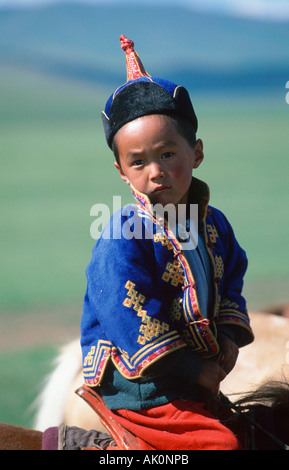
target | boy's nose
x=156, y=171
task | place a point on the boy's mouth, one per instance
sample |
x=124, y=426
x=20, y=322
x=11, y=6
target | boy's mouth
x=160, y=188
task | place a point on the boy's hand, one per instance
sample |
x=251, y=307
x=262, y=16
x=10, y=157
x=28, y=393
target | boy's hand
x=210, y=376
x=229, y=353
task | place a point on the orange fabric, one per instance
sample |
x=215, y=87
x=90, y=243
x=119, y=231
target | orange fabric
x=181, y=425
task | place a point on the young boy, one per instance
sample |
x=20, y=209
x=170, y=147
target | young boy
x=163, y=319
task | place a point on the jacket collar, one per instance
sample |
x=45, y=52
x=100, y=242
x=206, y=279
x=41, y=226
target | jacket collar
x=199, y=193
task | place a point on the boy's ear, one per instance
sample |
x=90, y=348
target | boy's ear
x=122, y=174
x=199, y=153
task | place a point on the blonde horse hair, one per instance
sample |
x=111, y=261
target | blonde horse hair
x=266, y=358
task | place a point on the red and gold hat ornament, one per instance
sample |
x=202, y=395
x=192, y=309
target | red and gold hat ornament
x=134, y=66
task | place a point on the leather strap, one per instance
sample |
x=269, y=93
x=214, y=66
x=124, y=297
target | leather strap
x=123, y=438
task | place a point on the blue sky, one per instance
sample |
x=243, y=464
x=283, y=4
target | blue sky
x=268, y=9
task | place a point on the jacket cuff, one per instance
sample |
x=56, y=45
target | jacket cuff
x=240, y=335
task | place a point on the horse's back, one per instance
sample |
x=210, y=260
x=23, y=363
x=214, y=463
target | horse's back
x=265, y=358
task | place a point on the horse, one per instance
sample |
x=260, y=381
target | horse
x=260, y=420
x=268, y=354
x=265, y=358
x=19, y=438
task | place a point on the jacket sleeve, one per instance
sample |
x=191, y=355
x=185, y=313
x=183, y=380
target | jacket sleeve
x=233, y=319
x=125, y=316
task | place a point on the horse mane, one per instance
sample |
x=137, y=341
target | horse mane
x=274, y=395
x=265, y=409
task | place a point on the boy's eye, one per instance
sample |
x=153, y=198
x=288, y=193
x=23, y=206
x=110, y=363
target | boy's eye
x=167, y=155
x=138, y=163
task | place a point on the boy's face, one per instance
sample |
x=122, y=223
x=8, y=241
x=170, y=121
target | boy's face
x=156, y=159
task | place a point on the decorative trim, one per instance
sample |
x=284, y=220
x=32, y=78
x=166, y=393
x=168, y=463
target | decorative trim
x=95, y=361
x=164, y=345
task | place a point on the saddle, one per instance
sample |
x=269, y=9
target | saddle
x=123, y=438
x=254, y=427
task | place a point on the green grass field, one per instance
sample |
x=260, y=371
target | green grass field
x=20, y=374
x=54, y=165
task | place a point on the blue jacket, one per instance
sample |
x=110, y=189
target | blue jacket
x=141, y=302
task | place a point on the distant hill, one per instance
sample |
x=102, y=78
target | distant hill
x=199, y=50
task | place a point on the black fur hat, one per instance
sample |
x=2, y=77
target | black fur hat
x=142, y=95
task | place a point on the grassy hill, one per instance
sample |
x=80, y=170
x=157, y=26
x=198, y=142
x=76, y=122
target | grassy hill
x=81, y=41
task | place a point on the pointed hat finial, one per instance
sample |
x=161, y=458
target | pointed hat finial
x=134, y=66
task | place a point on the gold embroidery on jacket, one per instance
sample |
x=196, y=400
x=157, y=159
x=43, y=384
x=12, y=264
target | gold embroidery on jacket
x=219, y=267
x=135, y=298
x=149, y=328
x=213, y=234
x=162, y=237
x=88, y=360
x=174, y=273
x=228, y=303
x=187, y=338
x=176, y=309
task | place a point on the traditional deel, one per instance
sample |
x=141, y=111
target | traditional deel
x=141, y=301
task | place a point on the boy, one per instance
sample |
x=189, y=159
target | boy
x=163, y=319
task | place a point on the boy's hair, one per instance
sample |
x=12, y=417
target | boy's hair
x=183, y=127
